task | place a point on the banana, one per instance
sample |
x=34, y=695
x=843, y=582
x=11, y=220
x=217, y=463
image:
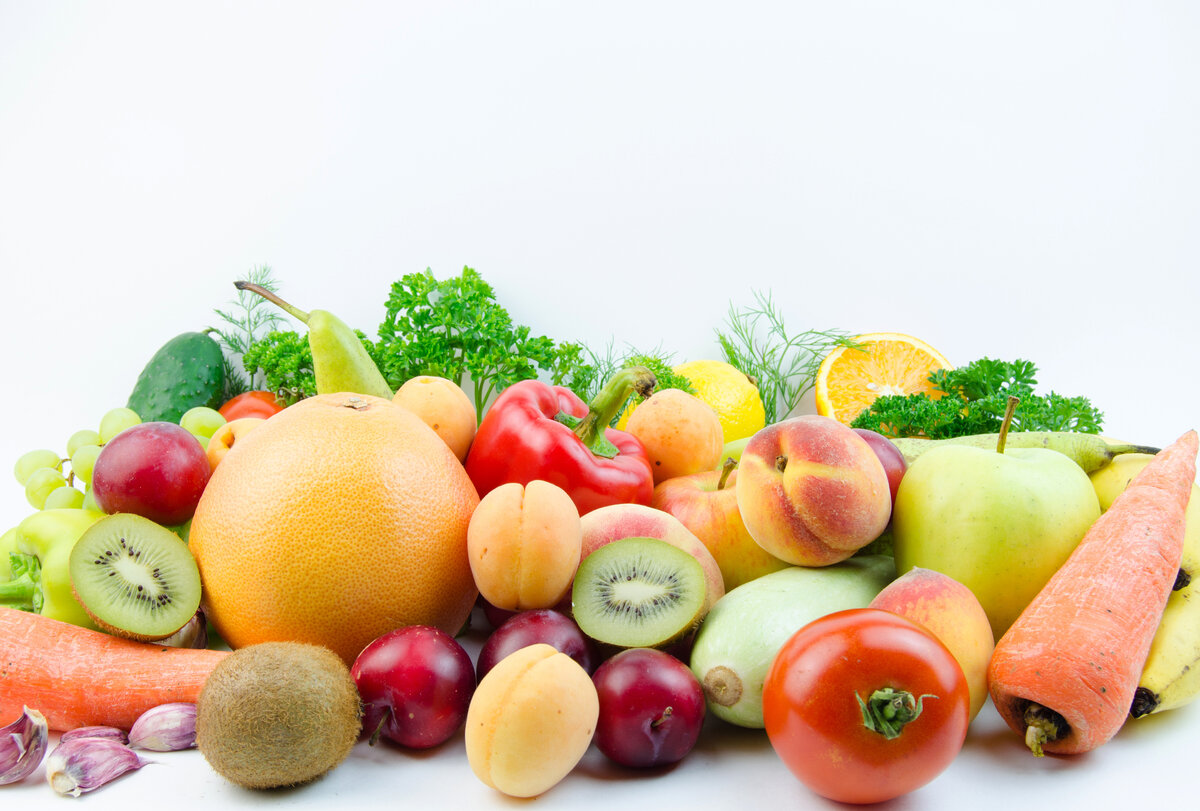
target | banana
x=1171, y=676
x=1090, y=451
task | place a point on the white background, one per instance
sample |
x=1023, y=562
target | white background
x=1013, y=180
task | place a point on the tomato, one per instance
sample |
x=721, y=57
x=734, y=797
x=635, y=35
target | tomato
x=815, y=722
x=251, y=404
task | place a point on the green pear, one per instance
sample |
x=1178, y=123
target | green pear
x=340, y=363
x=999, y=523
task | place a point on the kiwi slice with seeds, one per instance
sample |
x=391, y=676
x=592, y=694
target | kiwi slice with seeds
x=639, y=593
x=134, y=577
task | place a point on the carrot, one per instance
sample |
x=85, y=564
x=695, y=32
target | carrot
x=1065, y=673
x=78, y=677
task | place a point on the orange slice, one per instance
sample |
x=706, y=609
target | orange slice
x=849, y=379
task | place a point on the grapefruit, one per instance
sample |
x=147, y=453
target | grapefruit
x=340, y=518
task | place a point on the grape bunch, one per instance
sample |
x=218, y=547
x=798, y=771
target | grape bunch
x=52, y=481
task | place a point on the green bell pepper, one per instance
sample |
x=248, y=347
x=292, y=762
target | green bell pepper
x=34, y=558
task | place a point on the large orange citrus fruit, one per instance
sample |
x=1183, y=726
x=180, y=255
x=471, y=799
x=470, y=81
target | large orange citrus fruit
x=850, y=379
x=340, y=518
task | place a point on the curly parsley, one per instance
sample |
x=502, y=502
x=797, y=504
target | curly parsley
x=976, y=396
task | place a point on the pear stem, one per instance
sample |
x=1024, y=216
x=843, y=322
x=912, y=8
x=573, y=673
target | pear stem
x=294, y=312
x=726, y=469
x=1004, y=426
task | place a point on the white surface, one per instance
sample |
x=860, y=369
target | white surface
x=1016, y=181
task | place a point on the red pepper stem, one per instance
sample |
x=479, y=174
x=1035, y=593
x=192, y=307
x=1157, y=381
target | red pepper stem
x=605, y=405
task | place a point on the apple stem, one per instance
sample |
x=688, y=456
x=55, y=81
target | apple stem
x=726, y=469
x=387, y=714
x=1008, y=416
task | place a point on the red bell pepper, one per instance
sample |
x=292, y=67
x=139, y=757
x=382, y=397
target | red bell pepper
x=537, y=431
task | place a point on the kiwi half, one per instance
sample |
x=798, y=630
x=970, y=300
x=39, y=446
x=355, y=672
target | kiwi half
x=134, y=577
x=639, y=593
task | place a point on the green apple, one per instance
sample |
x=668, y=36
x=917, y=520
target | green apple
x=999, y=523
x=733, y=450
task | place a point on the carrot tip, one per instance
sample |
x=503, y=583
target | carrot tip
x=1034, y=738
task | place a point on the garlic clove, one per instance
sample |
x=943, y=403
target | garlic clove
x=84, y=764
x=165, y=728
x=22, y=746
x=112, y=733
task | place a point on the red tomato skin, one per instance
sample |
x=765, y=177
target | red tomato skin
x=815, y=724
x=250, y=404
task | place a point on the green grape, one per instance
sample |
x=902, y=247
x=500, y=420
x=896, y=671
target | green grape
x=115, y=421
x=41, y=483
x=35, y=460
x=64, y=498
x=80, y=438
x=89, y=501
x=202, y=422
x=83, y=461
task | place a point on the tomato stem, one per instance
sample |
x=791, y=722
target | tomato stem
x=888, y=710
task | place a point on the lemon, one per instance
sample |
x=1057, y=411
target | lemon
x=727, y=391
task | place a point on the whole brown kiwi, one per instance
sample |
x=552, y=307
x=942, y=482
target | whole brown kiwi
x=277, y=714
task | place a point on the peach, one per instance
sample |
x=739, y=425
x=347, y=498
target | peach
x=616, y=521
x=523, y=543
x=681, y=433
x=530, y=721
x=706, y=503
x=223, y=438
x=950, y=611
x=443, y=406
x=811, y=491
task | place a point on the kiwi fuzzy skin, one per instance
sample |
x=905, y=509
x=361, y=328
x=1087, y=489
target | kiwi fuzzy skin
x=277, y=714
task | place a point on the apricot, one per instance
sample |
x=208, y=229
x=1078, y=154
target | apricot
x=530, y=721
x=443, y=406
x=951, y=612
x=524, y=543
x=681, y=433
x=811, y=491
x=223, y=438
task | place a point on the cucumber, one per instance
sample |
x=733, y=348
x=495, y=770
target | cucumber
x=188, y=371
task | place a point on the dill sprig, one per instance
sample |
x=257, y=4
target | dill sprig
x=783, y=366
x=249, y=318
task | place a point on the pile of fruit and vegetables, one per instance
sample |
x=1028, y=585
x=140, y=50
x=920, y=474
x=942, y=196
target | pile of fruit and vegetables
x=274, y=551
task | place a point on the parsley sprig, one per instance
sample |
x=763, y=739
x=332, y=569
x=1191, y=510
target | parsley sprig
x=456, y=329
x=974, y=402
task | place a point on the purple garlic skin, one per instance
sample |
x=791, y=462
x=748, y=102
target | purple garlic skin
x=84, y=764
x=165, y=728
x=111, y=733
x=194, y=634
x=22, y=746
